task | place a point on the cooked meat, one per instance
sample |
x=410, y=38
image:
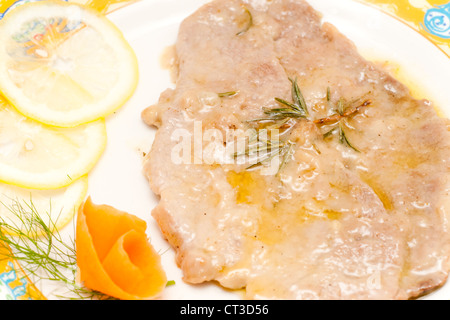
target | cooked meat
x=359, y=207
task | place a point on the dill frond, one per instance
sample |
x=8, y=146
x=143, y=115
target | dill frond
x=41, y=250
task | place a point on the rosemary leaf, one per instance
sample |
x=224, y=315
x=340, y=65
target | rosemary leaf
x=284, y=114
x=329, y=133
x=344, y=140
x=288, y=104
x=249, y=23
x=228, y=94
x=298, y=98
x=340, y=107
x=265, y=158
x=286, y=155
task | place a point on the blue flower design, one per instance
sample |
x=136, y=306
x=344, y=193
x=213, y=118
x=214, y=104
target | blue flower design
x=5, y=288
x=437, y=21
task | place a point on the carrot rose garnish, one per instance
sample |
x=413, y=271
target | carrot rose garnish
x=114, y=255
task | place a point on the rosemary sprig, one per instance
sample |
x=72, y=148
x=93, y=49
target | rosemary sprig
x=262, y=150
x=40, y=249
x=339, y=118
x=342, y=112
x=298, y=110
x=267, y=155
x=249, y=22
x=293, y=110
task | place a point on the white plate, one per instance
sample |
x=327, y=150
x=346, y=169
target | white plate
x=151, y=25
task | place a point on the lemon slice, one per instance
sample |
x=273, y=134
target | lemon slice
x=33, y=155
x=21, y=208
x=64, y=64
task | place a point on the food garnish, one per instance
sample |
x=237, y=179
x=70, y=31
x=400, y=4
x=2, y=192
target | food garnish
x=228, y=94
x=267, y=149
x=56, y=206
x=64, y=64
x=339, y=119
x=295, y=110
x=64, y=67
x=264, y=149
x=37, y=156
x=33, y=239
x=114, y=255
x=249, y=22
x=129, y=267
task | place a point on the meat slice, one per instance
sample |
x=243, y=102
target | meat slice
x=357, y=212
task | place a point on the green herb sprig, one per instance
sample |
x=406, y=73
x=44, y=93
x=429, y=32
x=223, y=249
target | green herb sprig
x=265, y=150
x=41, y=250
x=298, y=110
x=339, y=119
x=290, y=110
